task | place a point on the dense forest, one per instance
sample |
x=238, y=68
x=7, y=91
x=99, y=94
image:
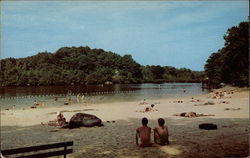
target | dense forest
x=230, y=64
x=83, y=65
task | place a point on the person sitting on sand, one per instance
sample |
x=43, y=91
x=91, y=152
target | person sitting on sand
x=191, y=114
x=161, y=133
x=60, y=121
x=143, y=133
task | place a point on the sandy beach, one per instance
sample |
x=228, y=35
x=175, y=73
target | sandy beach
x=22, y=127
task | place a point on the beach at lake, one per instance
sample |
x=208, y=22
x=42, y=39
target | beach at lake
x=21, y=127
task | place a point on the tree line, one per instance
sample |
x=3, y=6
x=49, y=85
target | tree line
x=83, y=65
x=230, y=64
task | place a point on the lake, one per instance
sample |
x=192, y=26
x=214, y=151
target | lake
x=25, y=96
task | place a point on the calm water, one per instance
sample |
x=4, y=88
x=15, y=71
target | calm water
x=25, y=96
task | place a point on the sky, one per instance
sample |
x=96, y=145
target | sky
x=166, y=33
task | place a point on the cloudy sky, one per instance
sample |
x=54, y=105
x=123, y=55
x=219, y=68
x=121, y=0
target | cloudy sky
x=172, y=33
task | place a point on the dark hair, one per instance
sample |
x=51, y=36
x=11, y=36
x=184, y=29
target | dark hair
x=144, y=121
x=161, y=122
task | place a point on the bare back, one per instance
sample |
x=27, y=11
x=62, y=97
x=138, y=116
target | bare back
x=162, y=133
x=144, y=133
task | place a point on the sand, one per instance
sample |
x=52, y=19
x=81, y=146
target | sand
x=22, y=127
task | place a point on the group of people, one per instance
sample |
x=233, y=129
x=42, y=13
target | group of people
x=79, y=99
x=224, y=94
x=143, y=134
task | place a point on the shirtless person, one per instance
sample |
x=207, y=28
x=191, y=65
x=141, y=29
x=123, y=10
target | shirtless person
x=60, y=119
x=148, y=109
x=58, y=122
x=143, y=133
x=143, y=102
x=187, y=114
x=161, y=133
x=191, y=114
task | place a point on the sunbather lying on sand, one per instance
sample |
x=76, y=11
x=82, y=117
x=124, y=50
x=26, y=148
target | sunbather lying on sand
x=191, y=114
x=233, y=109
x=143, y=102
x=177, y=101
x=224, y=102
x=195, y=100
x=206, y=103
x=148, y=109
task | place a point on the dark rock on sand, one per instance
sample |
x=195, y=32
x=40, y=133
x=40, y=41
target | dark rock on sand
x=208, y=126
x=84, y=120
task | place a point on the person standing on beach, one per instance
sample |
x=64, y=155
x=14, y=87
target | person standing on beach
x=82, y=98
x=161, y=133
x=78, y=98
x=143, y=133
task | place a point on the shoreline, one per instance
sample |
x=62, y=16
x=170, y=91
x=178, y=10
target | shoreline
x=127, y=109
x=116, y=139
x=97, y=98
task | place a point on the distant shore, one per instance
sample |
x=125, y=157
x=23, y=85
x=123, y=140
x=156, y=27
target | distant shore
x=116, y=138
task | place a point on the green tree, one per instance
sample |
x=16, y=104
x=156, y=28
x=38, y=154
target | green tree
x=157, y=71
x=213, y=68
x=80, y=65
x=236, y=61
x=231, y=63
